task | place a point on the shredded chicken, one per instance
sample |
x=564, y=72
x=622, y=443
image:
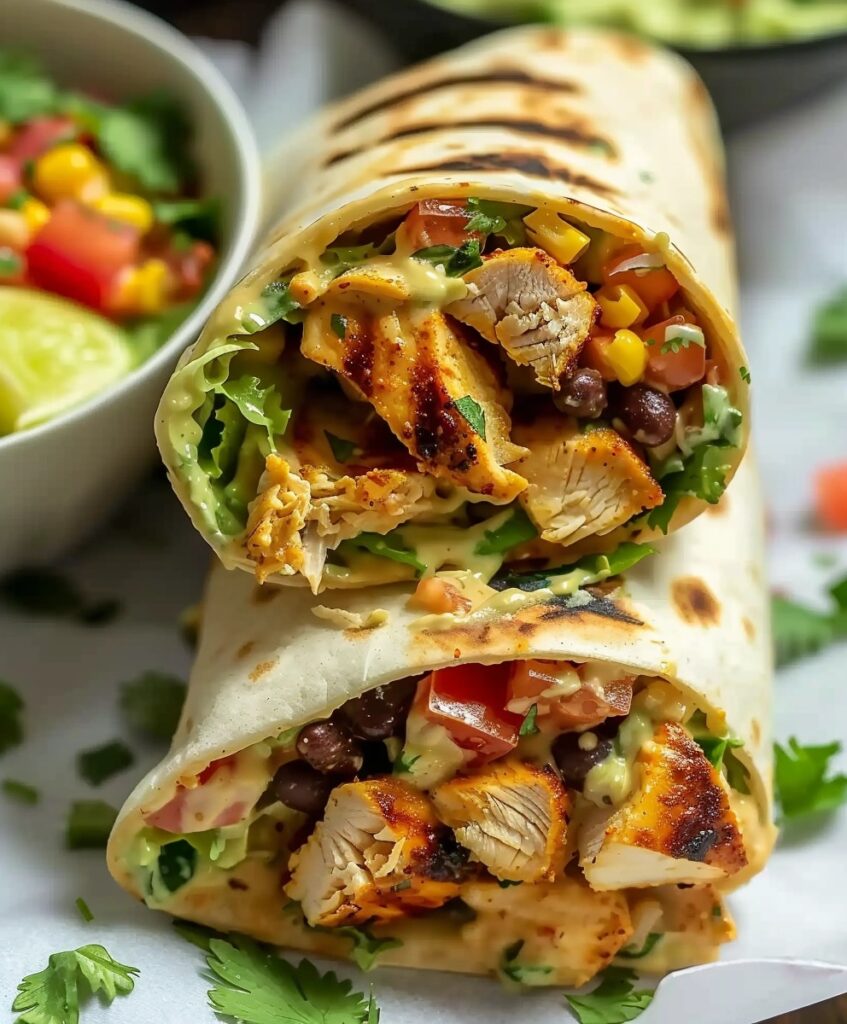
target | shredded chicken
x=536, y=310
x=275, y=519
x=581, y=484
x=378, y=853
x=511, y=816
x=677, y=827
x=438, y=395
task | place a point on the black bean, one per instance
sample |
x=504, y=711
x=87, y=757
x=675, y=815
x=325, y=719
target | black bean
x=575, y=763
x=329, y=748
x=582, y=395
x=376, y=760
x=299, y=786
x=380, y=712
x=648, y=414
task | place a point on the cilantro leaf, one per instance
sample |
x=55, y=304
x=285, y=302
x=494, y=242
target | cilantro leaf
x=528, y=725
x=262, y=406
x=26, y=91
x=629, y=953
x=200, y=218
x=145, y=139
x=84, y=910
x=100, y=763
x=473, y=412
x=521, y=974
x=829, y=331
x=11, y=727
x=390, y=546
x=52, y=996
x=342, y=257
x=802, y=782
x=503, y=219
x=255, y=986
x=275, y=303
x=37, y=591
x=342, y=449
x=20, y=791
x=404, y=763
x=703, y=475
x=456, y=261
x=366, y=946
x=152, y=704
x=89, y=824
x=715, y=747
x=799, y=630
x=176, y=863
x=614, y=1001
x=339, y=325
x=517, y=529
x=744, y=374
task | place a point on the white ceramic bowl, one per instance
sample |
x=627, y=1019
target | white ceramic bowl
x=59, y=481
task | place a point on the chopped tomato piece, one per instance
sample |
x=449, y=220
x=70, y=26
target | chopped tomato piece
x=531, y=678
x=169, y=818
x=469, y=701
x=214, y=767
x=831, y=496
x=594, y=355
x=80, y=254
x=39, y=135
x=438, y=222
x=10, y=177
x=653, y=286
x=670, y=369
x=588, y=707
x=190, y=268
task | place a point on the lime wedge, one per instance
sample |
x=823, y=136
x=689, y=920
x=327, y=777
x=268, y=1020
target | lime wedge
x=53, y=354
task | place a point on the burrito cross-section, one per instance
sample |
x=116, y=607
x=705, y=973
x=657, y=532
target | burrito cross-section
x=493, y=332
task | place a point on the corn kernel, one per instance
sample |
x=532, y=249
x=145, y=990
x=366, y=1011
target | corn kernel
x=36, y=214
x=70, y=171
x=620, y=306
x=563, y=241
x=626, y=355
x=14, y=232
x=127, y=208
x=144, y=289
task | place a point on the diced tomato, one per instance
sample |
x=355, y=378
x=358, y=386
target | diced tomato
x=653, y=287
x=531, y=678
x=672, y=370
x=191, y=808
x=438, y=222
x=587, y=707
x=831, y=496
x=469, y=701
x=39, y=135
x=214, y=767
x=10, y=177
x=80, y=254
x=593, y=355
x=190, y=268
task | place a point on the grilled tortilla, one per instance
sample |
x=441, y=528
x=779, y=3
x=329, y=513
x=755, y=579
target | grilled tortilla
x=501, y=302
x=533, y=783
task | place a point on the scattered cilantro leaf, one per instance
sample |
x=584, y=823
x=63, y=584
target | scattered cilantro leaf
x=89, y=824
x=26, y=91
x=275, y=303
x=715, y=747
x=517, y=529
x=473, y=412
x=802, y=781
x=100, y=763
x=199, y=218
x=366, y=946
x=197, y=934
x=521, y=974
x=799, y=630
x=176, y=863
x=37, y=591
x=404, y=764
x=339, y=325
x=614, y=1001
x=11, y=727
x=255, y=986
x=703, y=475
x=20, y=791
x=829, y=331
x=744, y=374
x=52, y=996
x=528, y=725
x=503, y=219
x=598, y=567
x=84, y=910
x=389, y=546
x=630, y=953
x=259, y=405
x=455, y=260
x=342, y=449
x=152, y=704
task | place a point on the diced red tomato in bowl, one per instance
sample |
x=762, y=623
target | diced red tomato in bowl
x=38, y=136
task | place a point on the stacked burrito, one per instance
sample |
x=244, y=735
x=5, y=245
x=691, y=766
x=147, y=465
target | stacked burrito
x=480, y=398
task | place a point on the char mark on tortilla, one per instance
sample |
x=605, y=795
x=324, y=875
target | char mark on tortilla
x=524, y=163
x=503, y=76
x=560, y=608
x=572, y=134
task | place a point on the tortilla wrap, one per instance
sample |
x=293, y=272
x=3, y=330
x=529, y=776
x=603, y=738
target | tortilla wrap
x=599, y=134
x=270, y=660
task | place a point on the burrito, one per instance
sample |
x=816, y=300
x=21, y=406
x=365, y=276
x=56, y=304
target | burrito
x=492, y=333
x=535, y=789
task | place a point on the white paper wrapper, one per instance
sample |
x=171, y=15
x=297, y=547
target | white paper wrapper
x=792, y=949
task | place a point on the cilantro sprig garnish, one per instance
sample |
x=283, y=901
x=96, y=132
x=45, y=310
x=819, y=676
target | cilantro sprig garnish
x=48, y=593
x=54, y=995
x=614, y=1001
x=829, y=331
x=89, y=824
x=802, y=781
x=152, y=704
x=19, y=791
x=98, y=764
x=521, y=973
x=367, y=947
x=11, y=710
x=799, y=631
x=472, y=412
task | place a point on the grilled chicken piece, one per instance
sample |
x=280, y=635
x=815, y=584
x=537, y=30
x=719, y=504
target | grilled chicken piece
x=511, y=816
x=275, y=520
x=678, y=826
x=438, y=395
x=563, y=924
x=379, y=852
x=581, y=484
x=536, y=310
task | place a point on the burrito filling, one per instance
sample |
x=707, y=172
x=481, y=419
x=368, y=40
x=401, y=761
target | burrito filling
x=560, y=815
x=468, y=369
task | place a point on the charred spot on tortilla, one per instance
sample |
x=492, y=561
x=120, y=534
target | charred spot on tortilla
x=572, y=134
x=694, y=602
x=263, y=593
x=237, y=884
x=262, y=669
x=749, y=629
x=756, y=731
x=532, y=164
x=561, y=607
x=501, y=76
x=244, y=650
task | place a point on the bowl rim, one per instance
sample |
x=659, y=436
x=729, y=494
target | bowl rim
x=246, y=200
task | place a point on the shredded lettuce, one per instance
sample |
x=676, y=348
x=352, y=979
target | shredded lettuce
x=502, y=219
x=595, y=568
